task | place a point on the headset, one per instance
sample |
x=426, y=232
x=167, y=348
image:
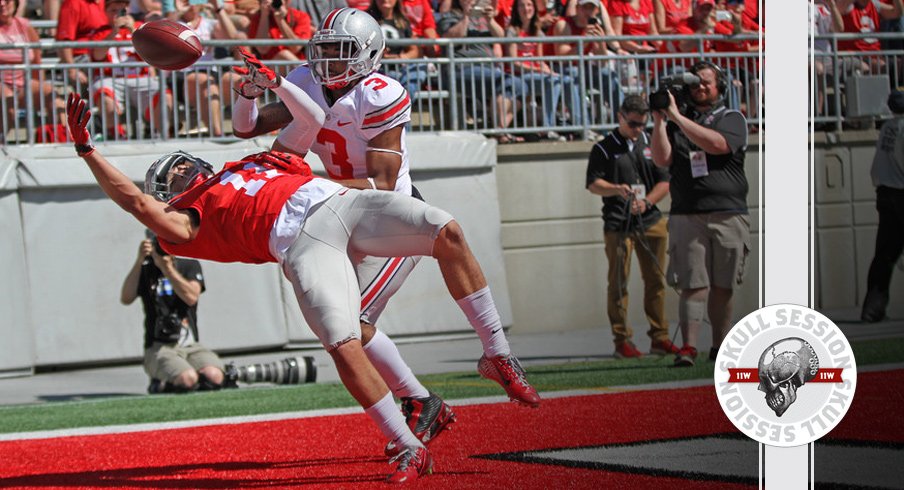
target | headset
x=721, y=78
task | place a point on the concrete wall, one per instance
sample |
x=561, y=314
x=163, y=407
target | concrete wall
x=552, y=232
x=846, y=222
x=66, y=249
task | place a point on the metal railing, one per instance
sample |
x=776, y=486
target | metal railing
x=488, y=95
x=832, y=72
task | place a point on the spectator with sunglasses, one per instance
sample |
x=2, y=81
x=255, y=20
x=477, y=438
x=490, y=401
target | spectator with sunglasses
x=621, y=170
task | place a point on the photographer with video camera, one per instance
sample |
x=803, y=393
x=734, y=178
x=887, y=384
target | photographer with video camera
x=703, y=146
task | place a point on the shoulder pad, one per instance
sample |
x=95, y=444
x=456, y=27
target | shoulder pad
x=383, y=101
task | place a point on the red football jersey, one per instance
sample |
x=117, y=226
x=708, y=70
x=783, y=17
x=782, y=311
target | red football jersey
x=861, y=20
x=238, y=207
x=636, y=22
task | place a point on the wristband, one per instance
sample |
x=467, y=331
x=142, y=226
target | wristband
x=648, y=203
x=84, y=150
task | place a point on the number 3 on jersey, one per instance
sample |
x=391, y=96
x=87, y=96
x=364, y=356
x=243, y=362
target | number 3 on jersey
x=335, y=142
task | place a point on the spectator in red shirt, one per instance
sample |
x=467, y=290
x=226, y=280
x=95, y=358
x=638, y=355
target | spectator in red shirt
x=80, y=20
x=115, y=86
x=423, y=23
x=592, y=20
x=543, y=83
x=395, y=25
x=702, y=21
x=13, y=90
x=669, y=14
x=863, y=16
x=420, y=14
x=633, y=18
x=282, y=22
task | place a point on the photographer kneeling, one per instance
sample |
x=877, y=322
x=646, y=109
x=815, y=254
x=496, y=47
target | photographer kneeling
x=704, y=147
x=169, y=288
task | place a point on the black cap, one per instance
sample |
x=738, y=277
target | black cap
x=896, y=102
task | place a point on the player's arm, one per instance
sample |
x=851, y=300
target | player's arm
x=294, y=105
x=248, y=121
x=164, y=220
x=384, y=159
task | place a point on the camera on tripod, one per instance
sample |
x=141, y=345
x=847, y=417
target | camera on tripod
x=679, y=86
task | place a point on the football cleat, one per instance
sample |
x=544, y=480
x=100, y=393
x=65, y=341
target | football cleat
x=426, y=417
x=413, y=463
x=507, y=371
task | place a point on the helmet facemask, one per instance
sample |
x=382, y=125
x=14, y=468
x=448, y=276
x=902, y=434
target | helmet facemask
x=353, y=45
x=175, y=173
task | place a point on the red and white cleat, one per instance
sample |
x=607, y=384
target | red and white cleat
x=414, y=462
x=507, y=371
x=426, y=417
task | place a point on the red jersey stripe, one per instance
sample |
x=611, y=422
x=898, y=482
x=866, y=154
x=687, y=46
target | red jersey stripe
x=388, y=113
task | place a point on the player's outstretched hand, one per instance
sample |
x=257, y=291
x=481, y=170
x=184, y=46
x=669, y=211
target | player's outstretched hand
x=78, y=116
x=257, y=72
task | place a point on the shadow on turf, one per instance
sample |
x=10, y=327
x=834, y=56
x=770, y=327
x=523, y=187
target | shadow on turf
x=179, y=476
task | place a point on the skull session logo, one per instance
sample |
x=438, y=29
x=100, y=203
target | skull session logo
x=785, y=375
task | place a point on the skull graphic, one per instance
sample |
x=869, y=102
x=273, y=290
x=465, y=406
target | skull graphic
x=784, y=367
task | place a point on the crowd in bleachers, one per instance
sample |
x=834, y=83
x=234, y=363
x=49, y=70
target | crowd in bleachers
x=838, y=61
x=538, y=90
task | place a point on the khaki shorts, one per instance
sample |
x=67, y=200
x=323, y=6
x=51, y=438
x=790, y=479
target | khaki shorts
x=166, y=361
x=707, y=250
x=338, y=234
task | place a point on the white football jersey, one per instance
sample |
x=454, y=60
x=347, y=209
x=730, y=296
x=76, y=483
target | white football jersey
x=377, y=103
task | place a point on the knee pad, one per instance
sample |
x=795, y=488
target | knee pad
x=691, y=311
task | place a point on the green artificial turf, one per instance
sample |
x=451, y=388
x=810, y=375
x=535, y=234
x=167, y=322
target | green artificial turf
x=269, y=399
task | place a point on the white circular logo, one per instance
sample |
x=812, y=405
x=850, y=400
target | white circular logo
x=785, y=375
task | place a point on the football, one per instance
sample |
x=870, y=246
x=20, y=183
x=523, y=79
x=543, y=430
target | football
x=167, y=45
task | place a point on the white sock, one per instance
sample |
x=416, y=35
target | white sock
x=244, y=114
x=386, y=414
x=481, y=312
x=385, y=356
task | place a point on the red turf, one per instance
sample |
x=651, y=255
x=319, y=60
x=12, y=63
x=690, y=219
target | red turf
x=346, y=451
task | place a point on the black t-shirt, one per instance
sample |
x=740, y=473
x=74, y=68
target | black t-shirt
x=725, y=188
x=613, y=160
x=159, y=299
x=392, y=31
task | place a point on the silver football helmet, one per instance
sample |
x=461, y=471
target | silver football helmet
x=174, y=173
x=349, y=36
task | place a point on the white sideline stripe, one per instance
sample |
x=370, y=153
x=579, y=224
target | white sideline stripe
x=271, y=417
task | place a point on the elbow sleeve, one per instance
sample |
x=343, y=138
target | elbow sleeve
x=244, y=115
